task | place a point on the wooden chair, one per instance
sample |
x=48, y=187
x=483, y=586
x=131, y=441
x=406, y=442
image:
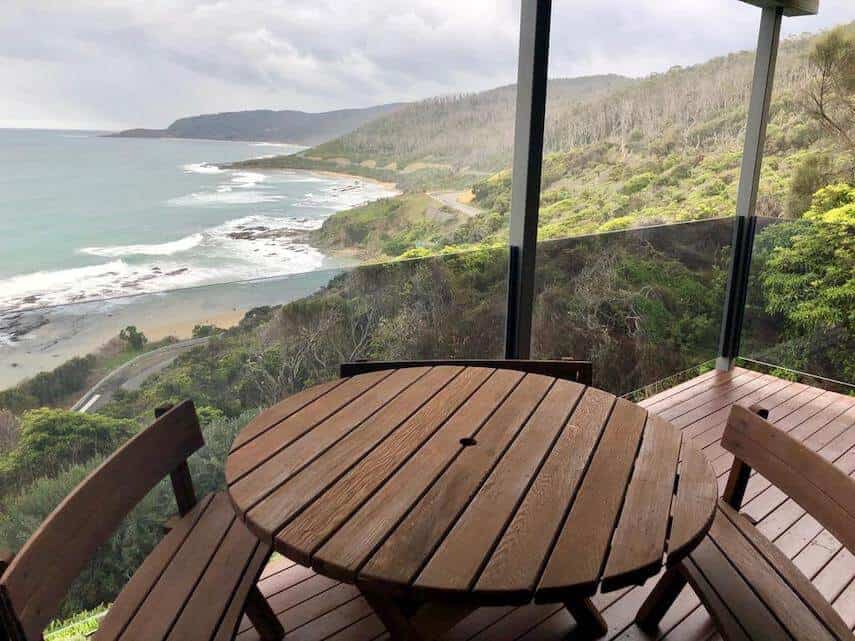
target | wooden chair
x=195, y=585
x=578, y=371
x=751, y=589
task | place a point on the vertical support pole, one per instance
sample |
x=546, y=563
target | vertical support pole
x=749, y=177
x=528, y=162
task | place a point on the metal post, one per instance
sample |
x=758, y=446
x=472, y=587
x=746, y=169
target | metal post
x=528, y=161
x=749, y=177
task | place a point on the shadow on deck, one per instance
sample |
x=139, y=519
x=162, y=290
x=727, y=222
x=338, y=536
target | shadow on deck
x=313, y=607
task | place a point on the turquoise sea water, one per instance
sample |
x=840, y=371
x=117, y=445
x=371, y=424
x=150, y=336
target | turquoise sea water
x=83, y=216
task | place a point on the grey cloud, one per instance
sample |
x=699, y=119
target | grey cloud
x=116, y=63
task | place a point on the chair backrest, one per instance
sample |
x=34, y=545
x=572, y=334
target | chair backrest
x=578, y=371
x=37, y=579
x=822, y=489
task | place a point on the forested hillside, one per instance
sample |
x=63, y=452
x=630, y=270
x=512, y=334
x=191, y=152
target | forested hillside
x=266, y=125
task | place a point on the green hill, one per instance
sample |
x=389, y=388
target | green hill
x=265, y=125
x=620, y=153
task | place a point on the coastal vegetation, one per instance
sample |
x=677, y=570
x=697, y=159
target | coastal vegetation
x=641, y=299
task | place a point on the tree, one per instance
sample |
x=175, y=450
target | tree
x=810, y=281
x=9, y=429
x=831, y=93
x=134, y=338
x=51, y=439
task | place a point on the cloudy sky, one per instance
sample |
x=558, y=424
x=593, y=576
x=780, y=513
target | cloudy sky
x=119, y=63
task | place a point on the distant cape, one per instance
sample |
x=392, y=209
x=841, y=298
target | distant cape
x=266, y=125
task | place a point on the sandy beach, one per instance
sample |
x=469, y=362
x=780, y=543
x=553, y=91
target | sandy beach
x=390, y=186
x=64, y=332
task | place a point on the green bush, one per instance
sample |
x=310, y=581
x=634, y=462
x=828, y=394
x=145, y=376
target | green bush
x=50, y=439
x=118, y=559
x=49, y=388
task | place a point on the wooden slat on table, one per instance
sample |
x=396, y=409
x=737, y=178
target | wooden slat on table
x=280, y=436
x=691, y=504
x=465, y=550
x=580, y=551
x=277, y=413
x=265, y=478
x=282, y=502
x=639, y=540
x=303, y=535
x=445, y=457
x=516, y=563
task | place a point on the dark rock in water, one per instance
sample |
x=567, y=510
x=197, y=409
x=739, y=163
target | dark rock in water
x=20, y=323
x=175, y=272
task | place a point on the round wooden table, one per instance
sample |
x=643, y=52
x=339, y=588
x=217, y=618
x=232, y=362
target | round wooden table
x=440, y=489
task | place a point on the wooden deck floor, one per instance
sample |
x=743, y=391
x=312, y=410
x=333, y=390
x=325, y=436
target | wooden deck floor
x=314, y=608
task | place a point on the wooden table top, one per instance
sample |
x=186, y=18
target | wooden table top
x=471, y=484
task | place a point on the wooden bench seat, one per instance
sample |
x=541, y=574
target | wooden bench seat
x=751, y=589
x=196, y=584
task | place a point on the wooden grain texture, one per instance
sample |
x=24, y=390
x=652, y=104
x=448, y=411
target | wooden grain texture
x=208, y=599
x=638, y=545
x=135, y=591
x=301, y=537
x=725, y=620
x=231, y=619
x=514, y=567
x=821, y=488
x=777, y=597
x=281, y=502
x=579, y=555
x=743, y=544
x=267, y=444
x=173, y=588
x=458, y=560
x=275, y=414
x=38, y=577
x=741, y=599
x=694, y=504
x=412, y=543
x=351, y=546
x=260, y=481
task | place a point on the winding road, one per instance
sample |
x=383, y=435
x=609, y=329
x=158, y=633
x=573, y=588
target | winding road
x=132, y=374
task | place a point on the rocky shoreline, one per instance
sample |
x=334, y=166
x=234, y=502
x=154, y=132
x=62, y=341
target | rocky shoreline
x=14, y=325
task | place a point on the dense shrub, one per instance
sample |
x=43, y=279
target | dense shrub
x=117, y=560
x=49, y=388
x=51, y=439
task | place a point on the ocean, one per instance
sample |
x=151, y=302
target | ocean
x=144, y=226
x=84, y=216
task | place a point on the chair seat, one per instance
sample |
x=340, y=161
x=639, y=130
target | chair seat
x=195, y=583
x=753, y=591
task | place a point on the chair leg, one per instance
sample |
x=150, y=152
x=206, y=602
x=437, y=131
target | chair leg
x=588, y=618
x=262, y=616
x=661, y=598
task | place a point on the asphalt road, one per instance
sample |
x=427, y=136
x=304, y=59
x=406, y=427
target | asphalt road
x=133, y=374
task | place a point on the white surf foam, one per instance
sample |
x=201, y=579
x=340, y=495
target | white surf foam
x=161, y=249
x=253, y=246
x=229, y=197
x=201, y=168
